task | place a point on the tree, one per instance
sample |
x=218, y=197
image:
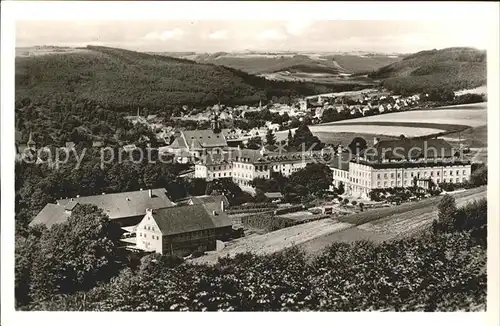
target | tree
x=361, y=206
x=357, y=145
x=315, y=178
x=341, y=188
x=76, y=254
x=304, y=139
x=480, y=176
x=270, y=138
x=446, y=209
x=254, y=143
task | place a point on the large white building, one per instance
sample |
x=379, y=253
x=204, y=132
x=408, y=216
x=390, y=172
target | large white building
x=245, y=165
x=400, y=163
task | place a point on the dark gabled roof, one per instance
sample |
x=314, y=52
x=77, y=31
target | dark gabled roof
x=205, y=138
x=125, y=204
x=178, y=143
x=190, y=218
x=340, y=162
x=409, y=149
x=51, y=214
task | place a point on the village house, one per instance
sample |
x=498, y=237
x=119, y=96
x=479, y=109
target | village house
x=125, y=208
x=195, y=142
x=182, y=230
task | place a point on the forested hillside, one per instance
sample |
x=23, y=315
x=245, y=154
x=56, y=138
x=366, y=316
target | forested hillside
x=451, y=69
x=122, y=79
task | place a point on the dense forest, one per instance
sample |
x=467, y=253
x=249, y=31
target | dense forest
x=443, y=269
x=449, y=69
x=124, y=80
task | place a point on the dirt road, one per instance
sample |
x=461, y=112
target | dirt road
x=313, y=237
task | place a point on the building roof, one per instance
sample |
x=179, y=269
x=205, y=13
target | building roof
x=51, y=214
x=190, y=218
x=125, y=204
x=273, y=195
x=178, y=143
x=205, y=138
x=340, y=162
x=409, y=149
x=209, y=199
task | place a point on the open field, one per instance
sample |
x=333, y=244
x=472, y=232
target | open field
x=471, y=115
x=378, y=225
x=393, y=131
x=416, y=123
x=392, y=226
x=344, y=138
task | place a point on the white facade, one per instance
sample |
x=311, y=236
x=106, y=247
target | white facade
x=148, y=234
x=213, y=171
x=363, y=178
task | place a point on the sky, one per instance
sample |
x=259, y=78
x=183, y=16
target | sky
x=256, y=35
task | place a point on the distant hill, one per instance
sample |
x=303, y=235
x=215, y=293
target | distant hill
x=124, y=79
x=264, y=63
x=451, y=68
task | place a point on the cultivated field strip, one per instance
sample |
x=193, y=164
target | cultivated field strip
x=380, y=225
x=277, y=240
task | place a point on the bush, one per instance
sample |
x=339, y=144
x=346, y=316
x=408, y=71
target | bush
x=346, y=201
x=354, y=202
x=197, y=254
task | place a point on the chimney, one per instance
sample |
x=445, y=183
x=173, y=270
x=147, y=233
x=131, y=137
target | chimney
x=375, y=141
x=71, y=199
x=222, y=205
x=150, y=193
x=77, y=196
x=149, y=211
x=214, y=212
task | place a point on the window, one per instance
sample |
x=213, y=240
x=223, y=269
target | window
x=432, y=173
x=399, y=175
x=445, y=172
x=458, y=172
x=458, y=180
x=412, y=174
x=437, y=173
x=392, y=175
x=385, y=183
x=465, y=172
x=378, y=176
x=385, y=175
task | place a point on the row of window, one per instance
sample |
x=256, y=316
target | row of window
x=410, y=182
x=145, y=235
x=412, y=174
x=219, y=168
x=149, y=228
x=221, y=174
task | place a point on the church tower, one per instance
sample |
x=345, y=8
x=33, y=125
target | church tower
x=215, y=123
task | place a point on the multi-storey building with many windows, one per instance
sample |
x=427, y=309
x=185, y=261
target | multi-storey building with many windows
x=245, y=165
x=401, y=163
